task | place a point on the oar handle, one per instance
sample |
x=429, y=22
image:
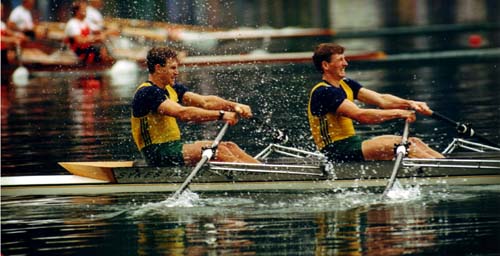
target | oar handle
x=206, y=155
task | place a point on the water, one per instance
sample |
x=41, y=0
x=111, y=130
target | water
x=442, y=220
x=82, y=117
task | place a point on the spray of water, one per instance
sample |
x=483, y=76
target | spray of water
x=186, y=199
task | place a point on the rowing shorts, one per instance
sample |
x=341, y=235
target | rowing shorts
x=345, y=150
x=164, y=154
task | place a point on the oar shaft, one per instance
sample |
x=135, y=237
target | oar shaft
x=206, y=155
x=444, y=118
x=400, y=153
x=463, y=129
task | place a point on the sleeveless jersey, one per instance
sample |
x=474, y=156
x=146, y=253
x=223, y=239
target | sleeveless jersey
x=153, y=127
x=325, y=124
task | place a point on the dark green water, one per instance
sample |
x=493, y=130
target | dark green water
x=68, y=117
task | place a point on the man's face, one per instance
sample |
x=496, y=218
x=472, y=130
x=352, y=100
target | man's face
x=336, y=66
x=169, y=72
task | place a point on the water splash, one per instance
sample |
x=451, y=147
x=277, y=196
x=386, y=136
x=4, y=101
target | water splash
x=186, y=199
x=400, y=193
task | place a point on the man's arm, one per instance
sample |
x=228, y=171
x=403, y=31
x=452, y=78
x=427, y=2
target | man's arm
x=211, y=102
x=389, y=101
x=194, y=114
x=373, y=116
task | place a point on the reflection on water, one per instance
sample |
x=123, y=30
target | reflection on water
x=444, y=220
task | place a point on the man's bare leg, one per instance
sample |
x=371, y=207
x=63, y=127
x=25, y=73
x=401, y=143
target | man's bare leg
x=226, y=152
x=382, y=148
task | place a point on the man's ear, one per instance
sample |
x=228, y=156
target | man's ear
x=324, y=65
x=157, y=67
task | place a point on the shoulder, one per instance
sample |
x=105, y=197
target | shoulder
x=352, y=83
x=148, y=89
x=326, y=99
x=73, y=22
x=181, y=87
x=327, y=92
x=15, y=13
x=72, y=27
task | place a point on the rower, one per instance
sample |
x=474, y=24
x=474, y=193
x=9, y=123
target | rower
x=331, y=110
x=87, y=46
x=159, y=102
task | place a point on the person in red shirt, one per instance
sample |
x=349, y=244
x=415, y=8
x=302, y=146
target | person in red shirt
x=87, y=46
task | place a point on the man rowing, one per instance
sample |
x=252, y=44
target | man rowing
x=331, y=110
x=159, y=102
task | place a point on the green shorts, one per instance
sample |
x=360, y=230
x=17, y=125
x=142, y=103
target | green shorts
x=164, y=154
x=345, y=150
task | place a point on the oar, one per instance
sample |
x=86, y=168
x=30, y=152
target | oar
x=400, y=153
x=278, y=135
x=206, y=155
x=463, y=128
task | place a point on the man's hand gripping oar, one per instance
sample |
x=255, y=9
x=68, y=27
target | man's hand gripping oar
x=206, y=155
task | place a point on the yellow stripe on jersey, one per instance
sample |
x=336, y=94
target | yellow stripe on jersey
x=155, y=128
x=331, y=127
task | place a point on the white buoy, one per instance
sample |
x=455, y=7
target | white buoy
x=20, y=76
x=124, y=72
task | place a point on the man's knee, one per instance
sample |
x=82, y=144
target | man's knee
x=415, y=141
x=229, y=145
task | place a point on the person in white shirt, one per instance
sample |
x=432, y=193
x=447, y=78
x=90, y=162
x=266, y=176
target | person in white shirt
x=86, y=45
x=21, y=20
x=94, y=17
x=10, y=40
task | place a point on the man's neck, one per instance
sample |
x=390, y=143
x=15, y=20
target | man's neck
x=157, y=82
x=333, y=81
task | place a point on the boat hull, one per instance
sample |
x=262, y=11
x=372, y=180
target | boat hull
x=284, y=175
x=97, y=187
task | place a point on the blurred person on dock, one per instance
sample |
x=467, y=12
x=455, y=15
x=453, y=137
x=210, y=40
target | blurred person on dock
x=159, y=102
x=331, y=109
x=88, y=46
x=21, y=20
x=95, y=19
x=10, y=40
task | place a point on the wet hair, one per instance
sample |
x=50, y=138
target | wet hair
x=324, y=52
x=159, y=55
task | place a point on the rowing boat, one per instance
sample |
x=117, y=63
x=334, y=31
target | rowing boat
x=293, y=170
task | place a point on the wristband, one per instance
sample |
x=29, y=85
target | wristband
x=221, y=114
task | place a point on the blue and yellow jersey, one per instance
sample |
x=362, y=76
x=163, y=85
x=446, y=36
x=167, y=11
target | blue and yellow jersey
x=326, y=125
x=148, y=126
